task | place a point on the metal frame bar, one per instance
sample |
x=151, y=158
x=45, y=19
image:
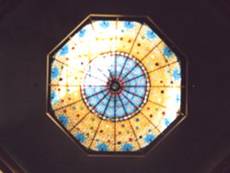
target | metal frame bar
x=8, y=164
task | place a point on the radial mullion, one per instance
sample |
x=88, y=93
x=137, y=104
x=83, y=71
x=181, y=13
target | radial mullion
x=151, y=122
x=93, y=85
x=136, y=86
x=100, y=101
x=130, y=101
x=140, y=60
x=95, y=134
x=76, y=124
x=133, y=94
x=103, y=73
x=91, y=23
x=166, y=65
x=61, y=85
x=60, y=62
x=96, y=93
x=88, y=113
x=130, y=71
x=151, y=71
x=123, y=66
x=107, y=104
x=115, y=122
x=70, y=104
x=135, y=39
x=115, y=65
x=94, y=35
x=163, y=106
x=165, y=86
x=134, y=78
x=122, y=104
x=90, y=75
x=130, y=51
x=134, y=133
x=115, y=55
x=150, y=51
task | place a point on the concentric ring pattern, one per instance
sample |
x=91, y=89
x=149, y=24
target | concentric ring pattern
x=115, y=85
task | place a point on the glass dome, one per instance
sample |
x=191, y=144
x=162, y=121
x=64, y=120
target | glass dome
x=115, y=85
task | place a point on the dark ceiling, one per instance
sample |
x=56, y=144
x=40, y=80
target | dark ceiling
x=29, y=29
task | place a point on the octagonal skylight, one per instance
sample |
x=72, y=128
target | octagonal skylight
x=115, y=85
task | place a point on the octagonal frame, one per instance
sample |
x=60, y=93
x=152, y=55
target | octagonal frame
x=184, y=82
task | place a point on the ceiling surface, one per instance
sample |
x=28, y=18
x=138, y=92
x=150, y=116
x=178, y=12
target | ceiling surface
x=29, y=29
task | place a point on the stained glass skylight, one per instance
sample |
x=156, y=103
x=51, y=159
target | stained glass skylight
x=115, y=85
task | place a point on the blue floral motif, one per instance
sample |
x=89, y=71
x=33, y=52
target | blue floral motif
x=151, y=35
x=80, y=137
x=178, y=98
x=82, y=32
x=54, y=72
x=53, y=97
x=167, y=122
x=102, y=147
x=63, y=120
x=167, y=52
x=104, y=24
x=64, y=50
x=176, y=74
x=128, y=24
x=127, y=147
x=149, y=138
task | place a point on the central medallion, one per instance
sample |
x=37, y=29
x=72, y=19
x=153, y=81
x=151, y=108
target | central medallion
x=115, y=86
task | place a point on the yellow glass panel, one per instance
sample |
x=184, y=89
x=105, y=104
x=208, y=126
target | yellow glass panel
x=87, y=127
x=126, y=35
x=125, y=137
x=102, y=139
x=145, y=42
x=145, y=130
